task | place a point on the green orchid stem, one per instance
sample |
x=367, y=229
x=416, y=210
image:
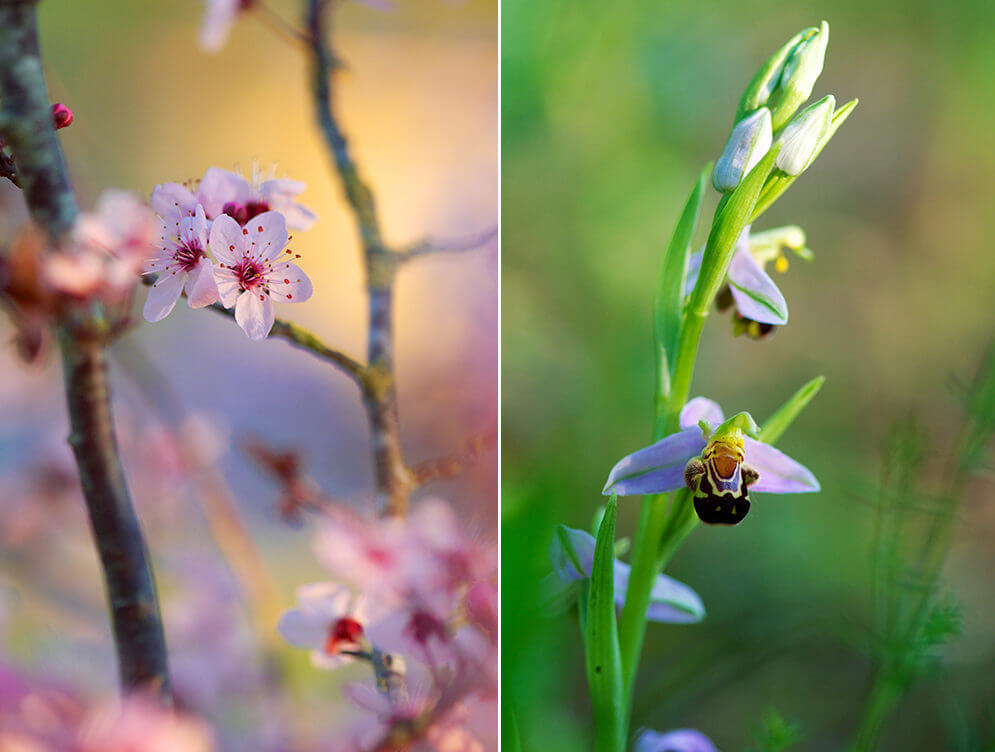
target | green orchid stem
x=656, y=540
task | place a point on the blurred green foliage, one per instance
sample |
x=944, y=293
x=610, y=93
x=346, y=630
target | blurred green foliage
x=608, y=113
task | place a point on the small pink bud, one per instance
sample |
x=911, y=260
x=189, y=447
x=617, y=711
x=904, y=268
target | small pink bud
x=62, y=116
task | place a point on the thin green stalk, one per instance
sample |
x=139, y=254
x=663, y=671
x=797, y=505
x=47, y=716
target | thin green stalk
x=880, y=703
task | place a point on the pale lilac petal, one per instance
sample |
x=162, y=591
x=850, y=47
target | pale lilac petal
x=288, y=281
x=254, y=313
x=228, y=286
x=583, y=545
x=778, y=472
x=171, y=200
x=321, y=659
x=670, y=478
x=657, y=468
x=267, y=235
x=304, y=629
x=227, y=240
x=701, y=408
x=756, y=295
x=694, y=267
x=163, y=294
x=679, y=740
x=218, y=188
x=201, y=288
x=671, y=601
x=280, y=191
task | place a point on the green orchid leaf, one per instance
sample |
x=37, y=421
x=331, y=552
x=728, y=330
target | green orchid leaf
x=785, y=415
x=668, y=303
x=604, y=660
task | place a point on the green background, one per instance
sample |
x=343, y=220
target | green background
x=609, y=110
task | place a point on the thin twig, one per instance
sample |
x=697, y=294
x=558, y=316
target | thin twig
x=452, y=245
x=26, y=125
x=452, y=464
x=301, y=337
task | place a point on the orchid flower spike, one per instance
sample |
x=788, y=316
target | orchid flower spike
x=720, y=465
x=759, y=304
x=671, y=602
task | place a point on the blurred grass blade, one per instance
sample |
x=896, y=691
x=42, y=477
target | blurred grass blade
x=668, y=304
x=785, y=415
x=779, y=182
x=728, y=225
x=604, y=661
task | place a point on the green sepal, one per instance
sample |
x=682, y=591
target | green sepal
x=604, y=660
x=668, y=303
x=730, y=220
x=785, y=415
x=739, y=422
x=779, y=182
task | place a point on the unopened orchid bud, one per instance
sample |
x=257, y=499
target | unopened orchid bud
x=750, y=140
x=788, y=76
x=62, y=116
x=801, y=138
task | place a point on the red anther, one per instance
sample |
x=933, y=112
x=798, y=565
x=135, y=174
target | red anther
x=343, y=633
x=61, y=115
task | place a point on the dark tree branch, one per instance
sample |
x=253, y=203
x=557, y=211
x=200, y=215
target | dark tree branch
x=393, y=480
x=26, y=126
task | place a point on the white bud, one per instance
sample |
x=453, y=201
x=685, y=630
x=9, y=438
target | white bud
x=802, y=136
x=750, y=140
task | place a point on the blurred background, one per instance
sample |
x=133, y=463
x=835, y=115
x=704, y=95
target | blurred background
x=608, y=114
x=419, y=102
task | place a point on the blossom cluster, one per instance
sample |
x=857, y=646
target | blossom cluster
x=416, y=599
x=39, y=717
x=226, y=241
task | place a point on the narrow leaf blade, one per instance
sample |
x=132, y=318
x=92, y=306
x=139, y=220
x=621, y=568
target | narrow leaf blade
x=604, y=660
x=785, y=415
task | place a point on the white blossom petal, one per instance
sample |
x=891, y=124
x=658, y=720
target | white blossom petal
x=254, y=313
x=164, y=294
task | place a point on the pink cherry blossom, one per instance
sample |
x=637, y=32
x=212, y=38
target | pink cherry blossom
x=225, y=192
x=329, y=619
x=108, y=249
x=420, y=722
x=219, y=15
x=182, y=264
x=138, y=724
x=250, y=273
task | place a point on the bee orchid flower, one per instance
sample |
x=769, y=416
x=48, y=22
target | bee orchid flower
x=720, y=465
x=759, y=304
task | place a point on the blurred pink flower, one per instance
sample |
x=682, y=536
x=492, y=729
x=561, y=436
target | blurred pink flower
x=182, y=264
x=419, y=722
x=138, y=724
x=328, y=620
x=250, y=272
x=108, y=250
